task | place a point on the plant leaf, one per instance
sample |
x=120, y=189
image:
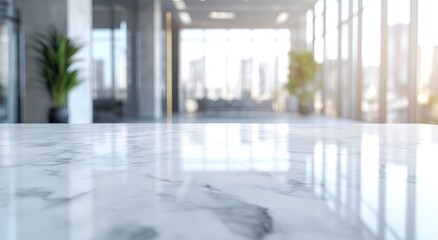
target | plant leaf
x=55, y=57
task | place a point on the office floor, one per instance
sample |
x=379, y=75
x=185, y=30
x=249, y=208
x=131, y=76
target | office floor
x=218, y=181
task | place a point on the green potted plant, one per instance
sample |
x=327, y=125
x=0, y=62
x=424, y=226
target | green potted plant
x=301, y=80
x=56, y=55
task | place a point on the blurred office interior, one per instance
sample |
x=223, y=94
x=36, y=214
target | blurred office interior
x=151, y=60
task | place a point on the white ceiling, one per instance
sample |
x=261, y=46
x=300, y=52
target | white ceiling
x=248, y=13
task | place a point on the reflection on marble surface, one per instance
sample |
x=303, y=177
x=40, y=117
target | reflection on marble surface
x=218, y=181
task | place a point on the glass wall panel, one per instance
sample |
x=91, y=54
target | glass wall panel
x=332, y=15
x=319, y=26
x=309, y=28
x=319, y=58
x=110, y=61
x=110, y=52
x=371, y=49
x=319, y=8
x=346, y=80
x=238, y=51
x=345, y=9
x=428, y=61
x=215, y=64
x=355, y=68
x=102, y=56
x=331, y=83
x=121, y=54
x=319, y=50
x=192, y=50
x=355, y=6
x=319, y=53
x=398, y=60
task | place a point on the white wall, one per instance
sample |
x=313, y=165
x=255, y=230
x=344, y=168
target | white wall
x=79, y=25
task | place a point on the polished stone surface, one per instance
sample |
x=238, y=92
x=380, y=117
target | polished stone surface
x=218, y=181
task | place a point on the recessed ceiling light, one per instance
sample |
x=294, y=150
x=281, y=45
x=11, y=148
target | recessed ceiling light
x=185, y=18
x=179, y=4
x=282, y=17
x=222, y=15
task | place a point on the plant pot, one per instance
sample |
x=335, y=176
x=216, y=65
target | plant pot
x=58, y=115
x=305, y=108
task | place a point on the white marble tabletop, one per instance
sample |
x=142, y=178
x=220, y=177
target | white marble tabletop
x=218, y=181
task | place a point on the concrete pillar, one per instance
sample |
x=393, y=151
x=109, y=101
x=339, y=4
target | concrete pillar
x=131, y=106
x=71, y=17
x=150, y=72
x=8, y=59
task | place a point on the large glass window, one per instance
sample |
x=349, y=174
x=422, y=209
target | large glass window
x=233, y=69
x=428, y=61
x=348, y=44
x=371, y=49
x=398, y=60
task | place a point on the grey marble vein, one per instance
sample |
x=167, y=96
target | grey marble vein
x=47, y=196
x=251, y=221
x=130, y=232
